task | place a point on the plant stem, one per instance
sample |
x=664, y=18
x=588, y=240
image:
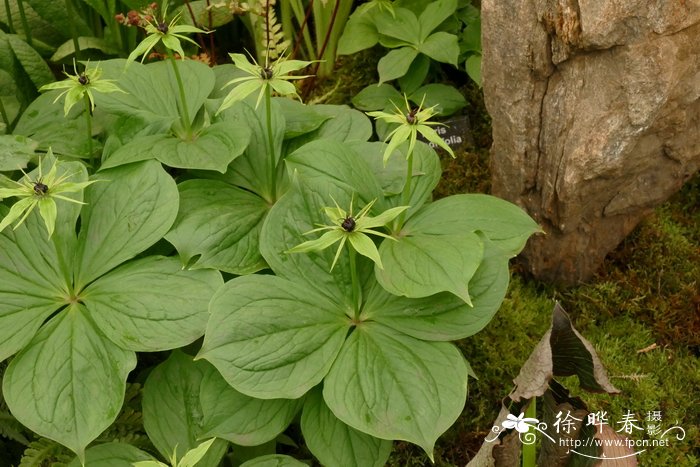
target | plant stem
x=529, y=450
x=5, y=118
x=88, y=120
x=185, y=117
x=25, y=24
x=356, y=298
x=271, y=144
x=73, y=32
x=406, y=192
x=8, y=12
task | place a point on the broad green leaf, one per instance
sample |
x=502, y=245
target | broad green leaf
x=34, y=66
x=271, y=338
x=299, y=118
x=447, y=98
x=15, y=151
x=360, y=33
x=43, y=31
x=193, y=456
x=57, y=15
x=334, y=443
x=130, y=210
x=211, y=15
x=328, y=165
x=345, y=125
x=274, y=460
x=444, y=317
x=434, y=15
x=172, y=414
x=44, y=122
x=402, y=25
x=31, y=285
x=396, y=63
x=473, y=67
x=377, y=97
x=221, y=224
x=422, y=265
x=442, y=47
x=504, y=223
x=112, y=455
x=68, y=383
x=150, y=89
x=414, y=77
x=212, y=149
x=241, y=419
x=392, y=386
x=471, y=38
x=67, y=49
x=152, y=304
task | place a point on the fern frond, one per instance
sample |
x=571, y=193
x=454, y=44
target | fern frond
x=43, y=452
x=269, y=32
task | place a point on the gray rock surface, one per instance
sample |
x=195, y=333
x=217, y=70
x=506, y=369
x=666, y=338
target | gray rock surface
x=596, y=118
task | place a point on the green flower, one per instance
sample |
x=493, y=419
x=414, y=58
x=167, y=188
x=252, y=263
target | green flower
x=277, y=77
x=345, y=226
x=169, y=33
x=411, y=122
x=41, y=192
x=82, y=84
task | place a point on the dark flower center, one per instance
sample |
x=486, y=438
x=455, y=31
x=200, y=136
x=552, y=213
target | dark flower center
x=162, y=27
x=266, y=73
x=40, y=188
x=411, y=117
x=83, y=79
x=348, y=224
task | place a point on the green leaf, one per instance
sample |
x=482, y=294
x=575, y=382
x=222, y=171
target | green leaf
x=414, y=77
x=193, y=456
x=241, y=419
x=221, y=224
x=57, y=15
x=150, y=88
x=15, y=152
x=67, y=49
x=392, y=386
x=330, y=165
x=473, y=67
x=44, y=122
x=377, y=97
x=271, y=338
x=274, y=460
x=32, y=63
x=444, y=317
x=396, y=63
x=402, y=25
x=360, y=33
x=213, y=148
x=112, y=455
x=299, y=118
x=31, y=284
x=68, y=383
x=434, y=15
x=152, y=304
x=504, y=223
x=333, y=442
x=447, y=98
x=172, y=414
x=442, y=47
x=130, y=210
x=422, y=265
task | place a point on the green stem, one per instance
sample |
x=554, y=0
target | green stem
x=25, y=24
x=530, y=450
x=185, y=118
x=10, y=23
x=73, y=32
x=406, y=193
x=5, y=118
x=271, y=144
x=356, y=297
x=88, y=121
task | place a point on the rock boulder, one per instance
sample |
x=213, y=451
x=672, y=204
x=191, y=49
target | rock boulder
x=596, y=118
